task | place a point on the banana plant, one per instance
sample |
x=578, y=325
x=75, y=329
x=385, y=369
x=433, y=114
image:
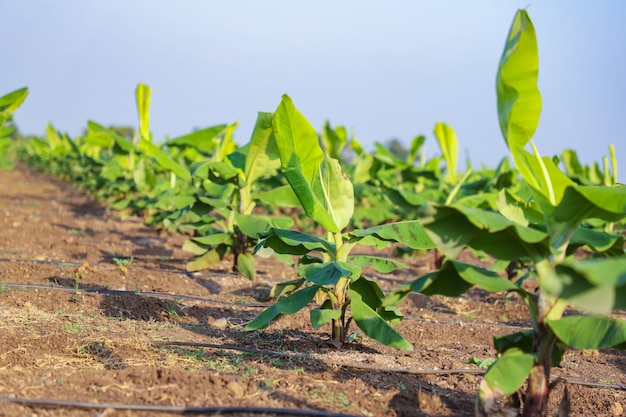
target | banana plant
x=230, y=194
x=139, y=173
x=8, y=104
x=542, y=224
x=327, y=272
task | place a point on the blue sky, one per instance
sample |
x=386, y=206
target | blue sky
x=382, y=69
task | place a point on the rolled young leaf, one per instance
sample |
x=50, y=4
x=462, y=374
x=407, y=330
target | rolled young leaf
x=449, y=148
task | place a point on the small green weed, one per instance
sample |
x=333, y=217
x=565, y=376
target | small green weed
x=71, y=328
x=123, y=263
x=482, y=363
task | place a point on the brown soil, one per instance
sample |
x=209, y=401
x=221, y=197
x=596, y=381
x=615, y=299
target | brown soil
x=101, y=344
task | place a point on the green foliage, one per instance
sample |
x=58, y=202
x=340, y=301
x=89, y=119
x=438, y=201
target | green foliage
x=541, y=225
x=232, y=184
x=8, y=104
x=334, y=279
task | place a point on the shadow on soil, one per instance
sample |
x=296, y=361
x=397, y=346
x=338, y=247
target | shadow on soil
x=415, y=393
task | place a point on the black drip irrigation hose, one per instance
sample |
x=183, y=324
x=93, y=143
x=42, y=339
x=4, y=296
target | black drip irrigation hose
x=232, y=303
x=208, y=410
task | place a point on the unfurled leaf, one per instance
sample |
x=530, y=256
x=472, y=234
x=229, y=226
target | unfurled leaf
x=203, y=262
x=12, y=101
x=324, y=314
x=410, y=233
x=252, y=225
x=523, y=341
x=205, y=140
x=509, y=372
x=286, y=287
x=163, y=159
x=325, y=193
x=453, y=228
x=286, y=305
x=590, y=332
x=452, y=279
x=282, y=196
x=373, y=324
x=595, y=285
x=587, y=202
x=324, y=274
x=384, y=265
x=245, y=265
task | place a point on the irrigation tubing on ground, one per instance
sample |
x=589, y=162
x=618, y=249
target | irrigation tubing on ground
x=324, y=361
x=368, y=367
x=98, y=266
x=208, y=410
x=250, y=305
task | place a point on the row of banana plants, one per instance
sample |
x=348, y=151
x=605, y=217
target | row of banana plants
x=309, y=199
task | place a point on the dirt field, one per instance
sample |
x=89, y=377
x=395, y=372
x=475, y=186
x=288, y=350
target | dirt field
x=77, y=325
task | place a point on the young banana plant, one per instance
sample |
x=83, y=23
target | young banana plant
x=327, y=272
x=543, y=226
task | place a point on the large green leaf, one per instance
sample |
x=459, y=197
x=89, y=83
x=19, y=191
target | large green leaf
x=584, y=202
x=509, y=372
x=199, y=263
x=220, y=172
x=163, y=159
x=454, y=227
x=373, y=324
x=598, y=241
x=449, y=148
x=384, y=265
x=324, y=274
x=291, y=242
x=518, y=211
x=12, y=101
x=452, y=279
x=121, y=143
x=323, y=314
x=282, y=196
x=519, y=108
x=318, y=182
x=595, y=285
x=253, y=224
x=590, y=332
x=519, y=100
x=286, y=305
x=213, y=239
x=410, y=233
x=262, y=157
x=523, y=340
x=205, y=140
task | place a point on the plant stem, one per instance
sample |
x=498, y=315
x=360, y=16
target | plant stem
x=538, y=391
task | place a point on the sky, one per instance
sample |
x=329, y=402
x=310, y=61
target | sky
x=382, y=69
